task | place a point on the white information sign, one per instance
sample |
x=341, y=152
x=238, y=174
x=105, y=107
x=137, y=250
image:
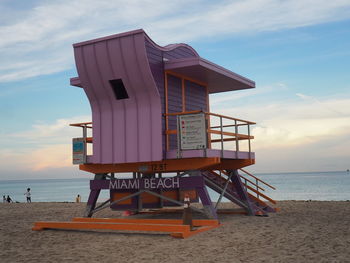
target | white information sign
x=79, y=151
x=192, y=131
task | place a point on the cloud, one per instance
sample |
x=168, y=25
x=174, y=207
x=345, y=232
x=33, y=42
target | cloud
x=50, y=133
x=298, y=134
x=40, y=41
x=218, y=98
x=51, y=156
x=44, y=146
x=295, y=135
x=44, y=157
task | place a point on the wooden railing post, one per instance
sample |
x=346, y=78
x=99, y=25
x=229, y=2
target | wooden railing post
x=222, y=138
x=85, y=140
x=249, y=145
x=237, y=145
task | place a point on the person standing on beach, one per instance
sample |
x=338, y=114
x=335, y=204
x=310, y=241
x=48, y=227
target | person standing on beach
x=4, y=199
x=28, y=195
x=8, y=199
x=78, y=199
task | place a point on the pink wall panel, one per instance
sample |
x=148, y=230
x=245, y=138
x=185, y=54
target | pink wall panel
x=127, y=130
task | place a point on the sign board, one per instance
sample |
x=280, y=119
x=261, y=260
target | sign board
x=79, y=151
x=192, y=131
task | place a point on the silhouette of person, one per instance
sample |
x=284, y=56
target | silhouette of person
x=78, y=199
x=8, y=199
x=28, y=195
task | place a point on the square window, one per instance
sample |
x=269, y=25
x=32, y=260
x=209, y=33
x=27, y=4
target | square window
x=119, y=90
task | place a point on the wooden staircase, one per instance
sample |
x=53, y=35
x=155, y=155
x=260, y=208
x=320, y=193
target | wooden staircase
x=257, y=202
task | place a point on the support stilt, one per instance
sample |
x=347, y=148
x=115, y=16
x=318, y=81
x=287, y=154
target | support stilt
x=208, y=207
x=242, y=193
x=94, y=194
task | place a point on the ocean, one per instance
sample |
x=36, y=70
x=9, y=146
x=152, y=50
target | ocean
x=323, y=186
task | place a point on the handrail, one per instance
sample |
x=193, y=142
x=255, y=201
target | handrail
x=261, y=194
x=225, y=173
x=226, y=126
x=257, y=186
x=224, y=135
x=256, y=191
x=82, y=124
x=182, y=113
x=228, y=117
x=209, y=113
x=256, y=178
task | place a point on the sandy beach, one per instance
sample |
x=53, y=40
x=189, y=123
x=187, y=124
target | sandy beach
x=301, y=232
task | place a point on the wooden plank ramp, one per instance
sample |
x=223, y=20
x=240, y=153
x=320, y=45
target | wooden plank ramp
x=172, y=226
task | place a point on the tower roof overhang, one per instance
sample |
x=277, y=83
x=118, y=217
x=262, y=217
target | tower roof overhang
x=217, y=78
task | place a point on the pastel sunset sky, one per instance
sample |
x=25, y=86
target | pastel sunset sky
x=297, y=52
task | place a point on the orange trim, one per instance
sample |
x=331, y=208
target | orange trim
x=232, y=164
x=195, y=222
x=183, y=94
x=171, y=132
x=227, y=126
x=186, y=78
x=256, y=178
x=112, y=226
x=119, y=195
x=218, y=175
x=168, y=165
x=182, y=113
x=260, y=194
x=166, y=109
x=230, y=118
x=231, y=139
x=208, y=110
x=240, y=136
x=174, y=227
x=82, y=124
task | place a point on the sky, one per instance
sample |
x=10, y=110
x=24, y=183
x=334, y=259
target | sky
x=297, y=52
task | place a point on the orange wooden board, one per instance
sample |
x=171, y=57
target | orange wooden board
x=172, y=226
x=169, y=165
x=111, y=226
x=196, y=222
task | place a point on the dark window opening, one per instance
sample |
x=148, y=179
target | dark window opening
x=119, y=89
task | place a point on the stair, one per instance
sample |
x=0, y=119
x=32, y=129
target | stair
x=259, y=202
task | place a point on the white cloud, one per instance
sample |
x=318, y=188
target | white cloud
x=44, y=146
x=217, y=98
x=55, y=132
x=40, y=42
x=299, y=135
x=295, y=135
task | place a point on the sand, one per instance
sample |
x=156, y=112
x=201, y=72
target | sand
x=301, y=232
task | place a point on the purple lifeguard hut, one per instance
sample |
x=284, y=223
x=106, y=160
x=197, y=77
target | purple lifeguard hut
x=151, y=119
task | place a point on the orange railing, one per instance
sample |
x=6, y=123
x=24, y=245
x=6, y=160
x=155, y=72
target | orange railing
x=251, y=185
x=85, y=126
x=226, y=129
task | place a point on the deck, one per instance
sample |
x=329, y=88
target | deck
x=221, y=138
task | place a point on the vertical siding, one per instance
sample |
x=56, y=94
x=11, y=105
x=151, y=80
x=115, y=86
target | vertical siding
x=196, y=97
x=155, y=57
x=174, y=105
x=127, y=130
x=155, y=60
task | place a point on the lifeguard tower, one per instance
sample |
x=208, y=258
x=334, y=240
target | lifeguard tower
x=151, y=118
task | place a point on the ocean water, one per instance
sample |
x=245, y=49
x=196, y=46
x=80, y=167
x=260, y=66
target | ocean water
x=323, y=186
